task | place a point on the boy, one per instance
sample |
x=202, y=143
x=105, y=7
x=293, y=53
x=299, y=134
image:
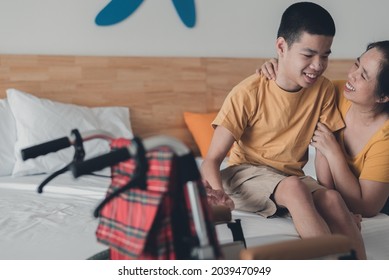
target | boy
x=271, y=123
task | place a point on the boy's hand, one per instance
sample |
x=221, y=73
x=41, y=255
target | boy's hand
x=218, y=197
x=269, y=69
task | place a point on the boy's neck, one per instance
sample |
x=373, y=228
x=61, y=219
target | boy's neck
x=286, y=84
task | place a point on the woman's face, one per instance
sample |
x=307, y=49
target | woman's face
x=362, y=79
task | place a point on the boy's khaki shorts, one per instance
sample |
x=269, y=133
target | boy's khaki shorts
x=251, y=187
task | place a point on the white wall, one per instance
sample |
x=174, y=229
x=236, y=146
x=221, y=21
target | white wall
x=225, y=28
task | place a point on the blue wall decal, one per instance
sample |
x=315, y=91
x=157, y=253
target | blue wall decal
x=118, y=10
x=187, y=11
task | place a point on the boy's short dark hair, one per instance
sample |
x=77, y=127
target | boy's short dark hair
x=305, y=17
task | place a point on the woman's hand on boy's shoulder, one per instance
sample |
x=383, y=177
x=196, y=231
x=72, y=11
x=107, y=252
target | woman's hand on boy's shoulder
x=269, y=69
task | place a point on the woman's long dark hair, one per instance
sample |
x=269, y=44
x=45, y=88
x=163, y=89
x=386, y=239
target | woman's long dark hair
x=382, y=88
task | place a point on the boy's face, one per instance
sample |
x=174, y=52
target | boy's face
x=303, y=62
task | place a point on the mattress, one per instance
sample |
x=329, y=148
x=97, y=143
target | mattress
x=59, y=224
x=259, y=231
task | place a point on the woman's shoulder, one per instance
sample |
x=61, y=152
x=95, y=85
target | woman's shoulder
x=385, y=130
x=341, y=101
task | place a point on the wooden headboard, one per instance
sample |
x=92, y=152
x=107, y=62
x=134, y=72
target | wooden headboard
x=156, y=89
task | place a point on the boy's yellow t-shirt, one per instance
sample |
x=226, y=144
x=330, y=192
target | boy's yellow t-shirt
x=372, y=162
x=274, y=127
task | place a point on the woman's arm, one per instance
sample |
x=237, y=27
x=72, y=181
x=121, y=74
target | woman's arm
x=361, y=196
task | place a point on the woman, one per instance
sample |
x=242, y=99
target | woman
x=355, y=161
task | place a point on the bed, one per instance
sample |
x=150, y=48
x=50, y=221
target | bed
x=43, y=97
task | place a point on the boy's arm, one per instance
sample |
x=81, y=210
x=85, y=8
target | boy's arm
x=221, y=143
x=330, y=114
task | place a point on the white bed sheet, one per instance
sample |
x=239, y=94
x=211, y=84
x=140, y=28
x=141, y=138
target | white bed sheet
x=57, y=224
x=258, y=231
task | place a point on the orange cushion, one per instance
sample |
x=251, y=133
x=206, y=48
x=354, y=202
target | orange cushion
x=199, y=125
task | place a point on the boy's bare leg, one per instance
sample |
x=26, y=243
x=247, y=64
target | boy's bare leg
x=324, y=212
x=293, y=194
x=332, y=208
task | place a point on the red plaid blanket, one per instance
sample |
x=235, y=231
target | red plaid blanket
x=151, y=223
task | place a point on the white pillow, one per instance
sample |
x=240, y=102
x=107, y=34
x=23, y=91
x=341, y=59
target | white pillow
x=40, y=120
x=8, y=139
